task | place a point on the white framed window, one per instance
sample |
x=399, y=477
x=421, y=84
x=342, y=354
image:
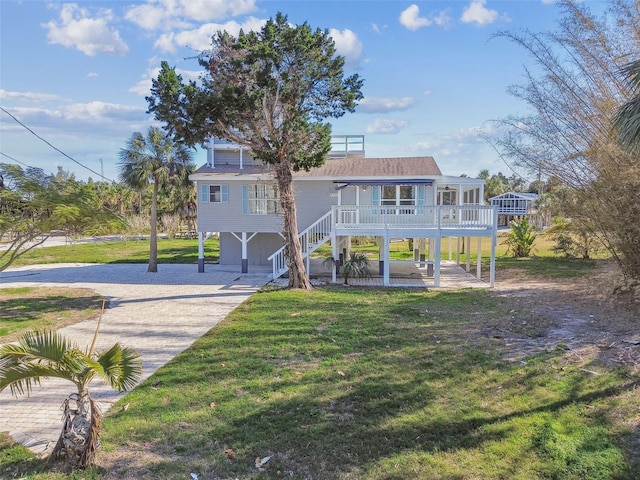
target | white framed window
x=214, y=193
x=399, y=199
x=398, y=195
x=261, y=199
x=447, y=197
x=471, y=196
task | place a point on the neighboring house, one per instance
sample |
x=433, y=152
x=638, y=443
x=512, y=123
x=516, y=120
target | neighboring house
x=350, y=195
x=514, y=204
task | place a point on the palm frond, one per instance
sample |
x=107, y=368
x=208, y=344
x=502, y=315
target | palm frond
x=120, y=367
x=45, y=346
x=21, y=377
x=39, y=354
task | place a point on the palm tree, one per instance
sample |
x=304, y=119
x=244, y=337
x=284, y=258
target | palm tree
x=45, y=354
x=159, y=160
x=627, y=119
x=356, y=265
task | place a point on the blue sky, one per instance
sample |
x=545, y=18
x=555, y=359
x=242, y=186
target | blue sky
x=77, y=73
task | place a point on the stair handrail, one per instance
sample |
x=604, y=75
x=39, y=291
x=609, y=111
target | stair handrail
x=277, y=258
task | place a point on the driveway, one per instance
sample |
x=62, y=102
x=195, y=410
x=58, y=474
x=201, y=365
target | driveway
x=159, y=314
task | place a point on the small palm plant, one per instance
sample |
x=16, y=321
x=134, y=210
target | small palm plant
x=45, y=354
x=521, y=238
x=356, y=266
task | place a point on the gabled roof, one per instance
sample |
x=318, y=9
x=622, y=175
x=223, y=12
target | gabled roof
x=359, y=167
x=345, y=168
x=519, y=195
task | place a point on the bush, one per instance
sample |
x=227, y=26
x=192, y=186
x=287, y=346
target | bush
x=573, y=240
x=171, y=225
x=137, y=226
x=520, y=239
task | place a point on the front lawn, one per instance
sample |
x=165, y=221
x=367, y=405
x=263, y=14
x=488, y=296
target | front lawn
x=28, y=308
x=351, y=383
x=178, y=250
x=370, y=384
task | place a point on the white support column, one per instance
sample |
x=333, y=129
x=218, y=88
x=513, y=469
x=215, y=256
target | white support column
x=334, y=255
x=468, y=252
x=494, y=240
x=450, y=249
x=431, y=257
x=211, y=153
x=436, y=273
x=386, y=273
x=479, y=259
x=458, y=251
x=245, y=256
x=200, y=252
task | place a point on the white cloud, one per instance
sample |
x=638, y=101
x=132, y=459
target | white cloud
x=460, y=151
x=83, y=117
x=348, y=45
x=477, y=13
x=200, y=38
x=443, y=19
x=28, y=96
x=169, y=14
x=99, y=110
x=89, y=35
x=412, y=20
x=92, y=75
x=386, y=126
x=384, y=105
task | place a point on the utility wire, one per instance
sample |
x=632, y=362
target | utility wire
x=15, y=159
x=55, y=148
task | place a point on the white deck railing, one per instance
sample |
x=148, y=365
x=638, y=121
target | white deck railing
x=413, y=216
x=361, y=217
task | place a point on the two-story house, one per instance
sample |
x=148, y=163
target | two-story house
x=350, y=195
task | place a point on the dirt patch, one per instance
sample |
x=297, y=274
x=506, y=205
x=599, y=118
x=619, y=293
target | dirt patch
x=581, y=315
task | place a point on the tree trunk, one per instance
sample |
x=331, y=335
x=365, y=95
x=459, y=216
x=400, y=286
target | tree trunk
x=80, y=436
x=153, y=239
x=293, y=250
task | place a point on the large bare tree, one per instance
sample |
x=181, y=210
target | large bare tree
x=270, y=91
x=573, y=89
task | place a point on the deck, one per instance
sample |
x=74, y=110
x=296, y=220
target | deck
x=414, y=220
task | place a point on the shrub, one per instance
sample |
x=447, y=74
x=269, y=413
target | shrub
x=520, y=239
x=573, y=239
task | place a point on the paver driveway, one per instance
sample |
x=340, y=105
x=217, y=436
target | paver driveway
x=158, y=314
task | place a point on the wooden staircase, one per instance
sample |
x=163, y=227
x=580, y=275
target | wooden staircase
x=312, y=237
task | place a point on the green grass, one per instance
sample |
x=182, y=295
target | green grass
x=17, y=461
x=23, y=309
x=372, y=384
x=353, y=383
x=177, y=250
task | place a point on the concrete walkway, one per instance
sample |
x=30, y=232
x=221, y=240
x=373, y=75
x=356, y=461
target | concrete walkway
x=159, y=314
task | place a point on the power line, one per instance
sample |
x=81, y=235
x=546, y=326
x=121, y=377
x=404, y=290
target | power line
x=52, y=146
x=15, y=159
